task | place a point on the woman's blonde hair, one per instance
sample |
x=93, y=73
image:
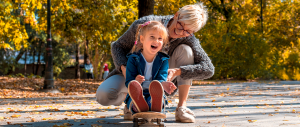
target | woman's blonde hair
x=195, y=15
x=144, y=28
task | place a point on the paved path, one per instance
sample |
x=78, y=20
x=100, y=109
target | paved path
x=264, y=104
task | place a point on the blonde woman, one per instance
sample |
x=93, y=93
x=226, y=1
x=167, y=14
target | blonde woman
x=187, y=61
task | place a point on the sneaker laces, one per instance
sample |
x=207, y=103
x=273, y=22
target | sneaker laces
x=187, y=110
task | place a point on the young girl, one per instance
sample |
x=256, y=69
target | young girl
x=147, y=69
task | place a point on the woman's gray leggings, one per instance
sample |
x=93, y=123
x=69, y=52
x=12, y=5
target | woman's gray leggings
x=113, y=91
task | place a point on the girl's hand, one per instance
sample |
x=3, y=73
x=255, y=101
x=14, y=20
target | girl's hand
x=140, y=79
x=169, y=87
x=173, y=73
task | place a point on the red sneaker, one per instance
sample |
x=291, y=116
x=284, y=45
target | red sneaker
x=156, y=92
x=135, y=91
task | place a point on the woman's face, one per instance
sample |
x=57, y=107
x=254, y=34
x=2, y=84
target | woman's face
x=179, y=29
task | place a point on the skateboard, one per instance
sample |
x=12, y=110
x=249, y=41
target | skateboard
x=148, y=119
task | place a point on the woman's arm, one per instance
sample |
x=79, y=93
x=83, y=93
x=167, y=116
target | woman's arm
x=121, y=47
x=203, y=67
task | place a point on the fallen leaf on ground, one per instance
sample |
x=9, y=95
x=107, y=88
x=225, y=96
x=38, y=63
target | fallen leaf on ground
x=84, y=114
x=15, y=116
x=32, y=120
x=251, y=121
x=68, y=124
x=77, y=120
x=54, y=122
x=96, y=125
x=101, y=121
x=50, y=118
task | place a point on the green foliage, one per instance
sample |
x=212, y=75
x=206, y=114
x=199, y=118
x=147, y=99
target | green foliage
x=86, y=71
x=110, y=64
x=241, y=49
x=20, y=75
x=7, y=61
x=10, y=76
x=56, y=71
x=61, y=58
x=233, y=36
x=101, y=22
x=31, y=76
x=238, y=46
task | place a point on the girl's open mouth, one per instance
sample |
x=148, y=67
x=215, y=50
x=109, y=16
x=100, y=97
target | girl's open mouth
x=153, y=47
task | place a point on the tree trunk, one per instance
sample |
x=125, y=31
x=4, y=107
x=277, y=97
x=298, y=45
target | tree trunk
x=25, y=65
x=86, y=50
x=146, y=7
x=39, y=59
x=95, y=63
x=33, y=63
x=77, y=66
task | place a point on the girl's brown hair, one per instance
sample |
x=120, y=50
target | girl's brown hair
x=144, y=28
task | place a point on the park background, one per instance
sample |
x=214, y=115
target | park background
x=245, y=39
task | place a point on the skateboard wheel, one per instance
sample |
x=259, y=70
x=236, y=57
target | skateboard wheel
x=158, y=121
x=135, y=122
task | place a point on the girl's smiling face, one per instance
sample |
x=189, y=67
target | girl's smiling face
x=152, y=42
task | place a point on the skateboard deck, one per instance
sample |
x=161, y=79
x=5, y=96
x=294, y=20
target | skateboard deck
x=148, y=119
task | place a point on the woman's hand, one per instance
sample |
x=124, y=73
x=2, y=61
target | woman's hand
x=123, y=68
x=173, y=73
x=140, y=79
x=169, y=87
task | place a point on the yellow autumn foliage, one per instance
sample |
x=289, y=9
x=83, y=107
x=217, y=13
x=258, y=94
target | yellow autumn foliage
x=239, y=44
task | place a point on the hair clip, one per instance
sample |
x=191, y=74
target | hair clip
x=146, y=23
x=135, y=42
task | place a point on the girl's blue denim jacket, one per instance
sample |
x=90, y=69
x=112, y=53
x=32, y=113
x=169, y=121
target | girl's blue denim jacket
x=136, y=66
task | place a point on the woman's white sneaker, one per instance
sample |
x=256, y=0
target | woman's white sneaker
x=184, y=115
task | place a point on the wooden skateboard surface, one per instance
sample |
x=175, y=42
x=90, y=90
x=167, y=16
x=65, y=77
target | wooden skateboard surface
x=150, y=115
